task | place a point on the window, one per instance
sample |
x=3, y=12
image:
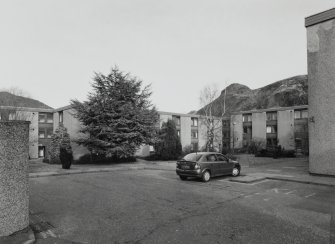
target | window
x=41, y=118
x=301, y=114
x=211, y=158
x=247, y=117
x=178, y=133
x=245, y=130
x=194, y=134
x=194, y=121
x=60, y=115
x=220, y=157
x=271, y=129
x=225, y=122
x=271, y=116
x=49, y=133
x=176, y=119
x=225, y=134
x=50, y=118
x=41, y=133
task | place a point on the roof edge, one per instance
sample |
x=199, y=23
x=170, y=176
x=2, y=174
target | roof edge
x=320, y=17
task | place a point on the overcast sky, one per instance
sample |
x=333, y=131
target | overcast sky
x=51, y=49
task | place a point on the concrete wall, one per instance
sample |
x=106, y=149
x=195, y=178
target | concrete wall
x=185, y=131
x=236, y=131
x=321, y=99
x=202, y=133
x=286, y=129
x=259, y=126
x=14, y=185
x=73, y=125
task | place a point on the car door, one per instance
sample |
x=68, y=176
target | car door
x=213, y=165
x=225, y=167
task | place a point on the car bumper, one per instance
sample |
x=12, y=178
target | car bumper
x=189, y=173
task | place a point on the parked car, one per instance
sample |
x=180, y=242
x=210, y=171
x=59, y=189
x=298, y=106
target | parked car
x=206, y=165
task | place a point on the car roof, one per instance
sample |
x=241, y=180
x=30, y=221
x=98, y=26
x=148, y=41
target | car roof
x=205, y=153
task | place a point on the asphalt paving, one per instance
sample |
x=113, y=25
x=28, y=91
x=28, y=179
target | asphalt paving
x=155, y=206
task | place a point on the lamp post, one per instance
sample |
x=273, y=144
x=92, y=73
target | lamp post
x=234, y=123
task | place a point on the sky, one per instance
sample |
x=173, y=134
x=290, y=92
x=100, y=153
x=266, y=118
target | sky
x=51, y=49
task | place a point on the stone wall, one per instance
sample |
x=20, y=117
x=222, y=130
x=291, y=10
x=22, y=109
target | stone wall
x=14, y=185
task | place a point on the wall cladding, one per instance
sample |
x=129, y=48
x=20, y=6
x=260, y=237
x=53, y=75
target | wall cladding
x=14, y=185
x=321, y=99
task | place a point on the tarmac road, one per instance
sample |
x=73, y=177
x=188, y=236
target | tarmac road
x=154, y=206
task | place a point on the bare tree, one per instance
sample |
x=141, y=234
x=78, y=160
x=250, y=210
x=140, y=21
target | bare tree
x=212, y=106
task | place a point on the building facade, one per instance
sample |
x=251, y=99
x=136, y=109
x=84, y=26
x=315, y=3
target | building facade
x=321, y=90
x=287, y=127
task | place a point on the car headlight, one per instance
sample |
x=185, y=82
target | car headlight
x=197, y=166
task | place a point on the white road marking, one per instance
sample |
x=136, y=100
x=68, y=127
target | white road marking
x=290, y=192
x=248, y=196
x=273, y=170
x=310, y=195
x=257, y=193
x=266, y=199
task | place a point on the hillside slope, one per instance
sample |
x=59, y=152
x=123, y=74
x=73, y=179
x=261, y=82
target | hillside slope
x=8, y=99
x=284, y=93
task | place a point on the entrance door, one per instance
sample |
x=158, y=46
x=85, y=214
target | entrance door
x=41, y=151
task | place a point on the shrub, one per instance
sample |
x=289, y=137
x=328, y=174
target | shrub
x=91, y=158
x=58, y=139
x=66, y=157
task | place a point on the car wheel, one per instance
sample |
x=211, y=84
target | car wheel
x=182, y=177
x=206, y=176
x=236, y=172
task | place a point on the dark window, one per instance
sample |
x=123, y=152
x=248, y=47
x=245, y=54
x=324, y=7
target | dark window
x=176, y=119
x=41, y=133
x=247, y=117
x=49, y=132
x=301, y=114
x=211, y=158
x=194, y=121
x=41, y=118
x=50, y=118
x=271, y=116
x=60, y=114
x=221, y=157
x=192, y=157
x=225, y=122
x=194, y=134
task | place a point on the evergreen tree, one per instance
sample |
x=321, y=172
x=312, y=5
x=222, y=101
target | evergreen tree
x=59, y=139
x=118, y=116
x=168, y=146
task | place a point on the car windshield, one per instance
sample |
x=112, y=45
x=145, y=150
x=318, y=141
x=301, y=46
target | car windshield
x=192, y=157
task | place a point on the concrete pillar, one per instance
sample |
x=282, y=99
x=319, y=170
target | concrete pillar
x=236, y=131
x=321, y=90
x=286, y=129
x=259, y=126
x=14, y=185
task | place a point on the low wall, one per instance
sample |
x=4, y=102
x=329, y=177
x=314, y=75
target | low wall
x=14, y=185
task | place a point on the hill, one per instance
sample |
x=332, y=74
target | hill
x=284, y=93
x=8, y=99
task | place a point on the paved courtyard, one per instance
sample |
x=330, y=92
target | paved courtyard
x=145, y=205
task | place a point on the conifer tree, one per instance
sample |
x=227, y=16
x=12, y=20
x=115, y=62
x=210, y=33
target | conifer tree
x=118, y=116
x=168, y=146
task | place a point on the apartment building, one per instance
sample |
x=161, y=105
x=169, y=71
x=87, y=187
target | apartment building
x=287, y=127
x=191, y=130
x=41, y=126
